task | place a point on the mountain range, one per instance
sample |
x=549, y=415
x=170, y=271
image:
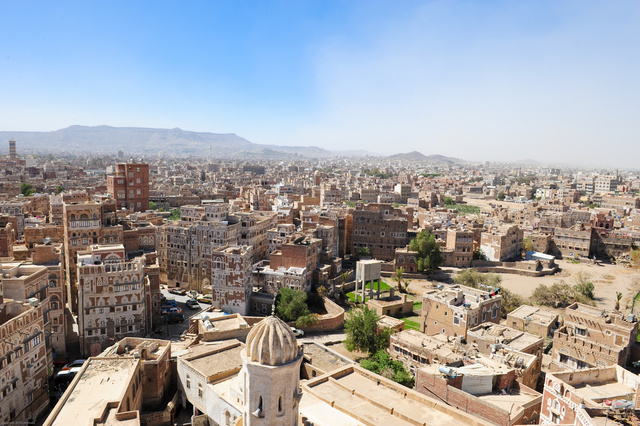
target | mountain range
x=176, y=142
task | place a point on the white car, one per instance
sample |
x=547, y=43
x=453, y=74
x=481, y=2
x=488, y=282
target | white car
x=297, y=332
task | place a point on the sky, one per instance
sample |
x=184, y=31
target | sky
x=554, y=81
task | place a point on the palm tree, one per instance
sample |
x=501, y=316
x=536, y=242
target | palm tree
x=398, y=277
x=618, y=297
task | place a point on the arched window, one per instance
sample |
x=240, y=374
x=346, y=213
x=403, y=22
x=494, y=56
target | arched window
x=279, y=405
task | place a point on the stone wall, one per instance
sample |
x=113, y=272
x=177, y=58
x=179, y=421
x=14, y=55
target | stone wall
x=332, y=320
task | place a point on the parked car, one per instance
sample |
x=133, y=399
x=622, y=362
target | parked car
x=193, y=304
x=178, y=290
x=75, y=364
x=175, y=317
x=164, y=310
x=69, y=371
x=205, y=299
x=171, y=302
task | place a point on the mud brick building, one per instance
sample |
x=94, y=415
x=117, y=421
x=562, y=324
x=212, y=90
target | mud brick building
x=591, y=338
x=231, y=279
x=452, y=310
x=571, y=397
x=380, y=228
x=501, y=243
x=23, y=362
x=86, y=224
x=112, y=298
x=129, y=186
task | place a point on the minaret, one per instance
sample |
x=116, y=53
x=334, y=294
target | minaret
x=270, y=375
x=12, y=150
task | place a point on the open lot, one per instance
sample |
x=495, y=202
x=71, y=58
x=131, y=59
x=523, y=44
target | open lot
x=607, y=280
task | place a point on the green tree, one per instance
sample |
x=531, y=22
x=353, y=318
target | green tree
x=175, y=214
x=364, y=251
x=618, y=297
x=429, y=257
x=584, y=285
x=291, y=304
x=323, y=291
x=527, y=245
x=510, y=302
x=479, y=255
x=361, y=329
x=60, y=188
x=203, y=176
x=153, y=205
x=448, y=201
x=500, y=196
x=559, y=295
x=26, y=189
x=397, y=277
x=382, y=363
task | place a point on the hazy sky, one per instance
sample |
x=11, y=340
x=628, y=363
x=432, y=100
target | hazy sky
x=479, y=80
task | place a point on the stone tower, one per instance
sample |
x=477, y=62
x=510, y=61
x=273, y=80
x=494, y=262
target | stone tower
x=270, y=376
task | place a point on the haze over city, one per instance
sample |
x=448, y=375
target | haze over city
x=501, y=81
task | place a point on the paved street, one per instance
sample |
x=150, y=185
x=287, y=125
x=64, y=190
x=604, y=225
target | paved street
x=178, y=328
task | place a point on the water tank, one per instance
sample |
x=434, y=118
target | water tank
x=447, y=371
x=33, y=301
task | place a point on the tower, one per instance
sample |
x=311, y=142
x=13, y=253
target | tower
x=12, y=150
x=270, y=375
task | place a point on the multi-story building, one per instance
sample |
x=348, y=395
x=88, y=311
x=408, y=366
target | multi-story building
x=574, y=241
x=111, y=297
x=51, y=257
x=231, y=278
x=16, y=210
x=253, y=231
x=454, y=309
x=502, y=243
x=185, y=247
x=591, y=338
x=299, y=255
x=380, y=228
x=606, y=183
x=573, y=397
x=12, y=150
x=7, y=235
x=129, y=185
x=86, y=224
x=23, y=362
x=533, y=319
x=458, y=250
x=278, y=235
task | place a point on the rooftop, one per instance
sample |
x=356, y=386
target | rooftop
x=535, y=314
x=517, y=339
x=215, y=360
x=373, y=399
x=102, y=380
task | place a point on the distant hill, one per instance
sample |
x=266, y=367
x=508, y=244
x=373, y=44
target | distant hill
x=140, y=140
x=419, y=157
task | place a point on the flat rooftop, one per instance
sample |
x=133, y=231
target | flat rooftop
x=324, y=358
x=599, y=391
x=365, y=397
x=216, y=359
x=509, y=402
x=536, y=314
x=103, y=380
x=517, y=339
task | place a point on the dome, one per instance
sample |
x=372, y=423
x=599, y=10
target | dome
x=271, y=342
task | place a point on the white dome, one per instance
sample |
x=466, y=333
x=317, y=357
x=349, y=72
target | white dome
x=271, y=342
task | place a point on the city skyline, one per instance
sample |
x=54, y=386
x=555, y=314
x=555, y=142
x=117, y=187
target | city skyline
x=500, y=82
